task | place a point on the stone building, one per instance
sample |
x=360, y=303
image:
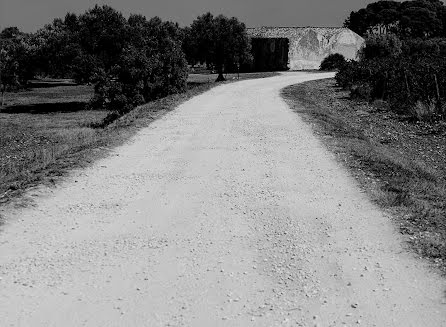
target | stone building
x=308, y=46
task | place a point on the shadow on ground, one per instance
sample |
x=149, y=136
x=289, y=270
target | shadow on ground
x=45, y=84
x=44, y=108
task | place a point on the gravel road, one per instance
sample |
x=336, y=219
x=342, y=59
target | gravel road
x=225, y=212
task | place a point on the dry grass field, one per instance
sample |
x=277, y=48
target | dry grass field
x=399, y=162
x=39, y=125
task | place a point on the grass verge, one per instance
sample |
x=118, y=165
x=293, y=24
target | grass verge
x=400, y=163
x=45, y=131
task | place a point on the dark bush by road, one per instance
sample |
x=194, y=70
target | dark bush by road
x=410, y=75
x=334, y=61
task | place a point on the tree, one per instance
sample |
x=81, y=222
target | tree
x=381, y=46
x=151, y=65
x=15, y=69
x=408, y=19
x=10, y=33
x=220, y=42
x=101, y=36
x=188, y=46
x=57, y=46
x=382, y=15
x=419, y=22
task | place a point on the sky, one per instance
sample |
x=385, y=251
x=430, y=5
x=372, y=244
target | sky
x=30, y=15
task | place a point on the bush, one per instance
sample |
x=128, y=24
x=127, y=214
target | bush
x=361, y=91
x=150, y=65
x=351, y=73
x=410, y=76
x=334, y=61
x=381, y=46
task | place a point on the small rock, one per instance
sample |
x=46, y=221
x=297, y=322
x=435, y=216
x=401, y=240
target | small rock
x=354, y=305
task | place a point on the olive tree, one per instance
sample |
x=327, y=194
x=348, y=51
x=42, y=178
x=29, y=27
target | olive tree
x=220, y=42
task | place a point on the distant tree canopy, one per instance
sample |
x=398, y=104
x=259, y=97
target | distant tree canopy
x=15, y=59
x=408, y=19
x=220, y=42
x=151, y=64
x=130, y=61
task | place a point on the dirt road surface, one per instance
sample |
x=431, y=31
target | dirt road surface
x=225, y=212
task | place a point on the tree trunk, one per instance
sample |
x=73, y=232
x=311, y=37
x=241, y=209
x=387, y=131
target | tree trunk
x=436, y=87
x=220, y=77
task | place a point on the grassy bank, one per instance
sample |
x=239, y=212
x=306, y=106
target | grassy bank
x=46, y=131
x=399, y=162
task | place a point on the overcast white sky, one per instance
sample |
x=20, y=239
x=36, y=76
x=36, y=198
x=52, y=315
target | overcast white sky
x=29, y=15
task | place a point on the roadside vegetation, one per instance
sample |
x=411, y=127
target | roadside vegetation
x=403, y=61
x=385, y=115
x=334, y=61
x=129, y=61
x=399, y=162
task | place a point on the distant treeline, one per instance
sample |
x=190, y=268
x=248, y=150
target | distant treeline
x=129, y=60
x=403, y=61
x=407, y=19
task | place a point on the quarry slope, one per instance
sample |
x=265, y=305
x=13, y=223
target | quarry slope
x=225, y=212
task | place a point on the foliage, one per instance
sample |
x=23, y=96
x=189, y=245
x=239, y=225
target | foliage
x=150, y=66
x=407, y=19
x=381, y=46
x=334, y=61
x=130, y=61
x=14, y=60
x=220, y=42
x=57, y=47
x=409, y=75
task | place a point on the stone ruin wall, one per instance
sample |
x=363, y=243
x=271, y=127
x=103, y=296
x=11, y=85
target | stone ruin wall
x=310, y=45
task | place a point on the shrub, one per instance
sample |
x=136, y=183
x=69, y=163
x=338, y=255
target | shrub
x=361, y=91
x=410, y=76
x=381, y=46
x=151, y=65
x=350, y=73
x=334, y=61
